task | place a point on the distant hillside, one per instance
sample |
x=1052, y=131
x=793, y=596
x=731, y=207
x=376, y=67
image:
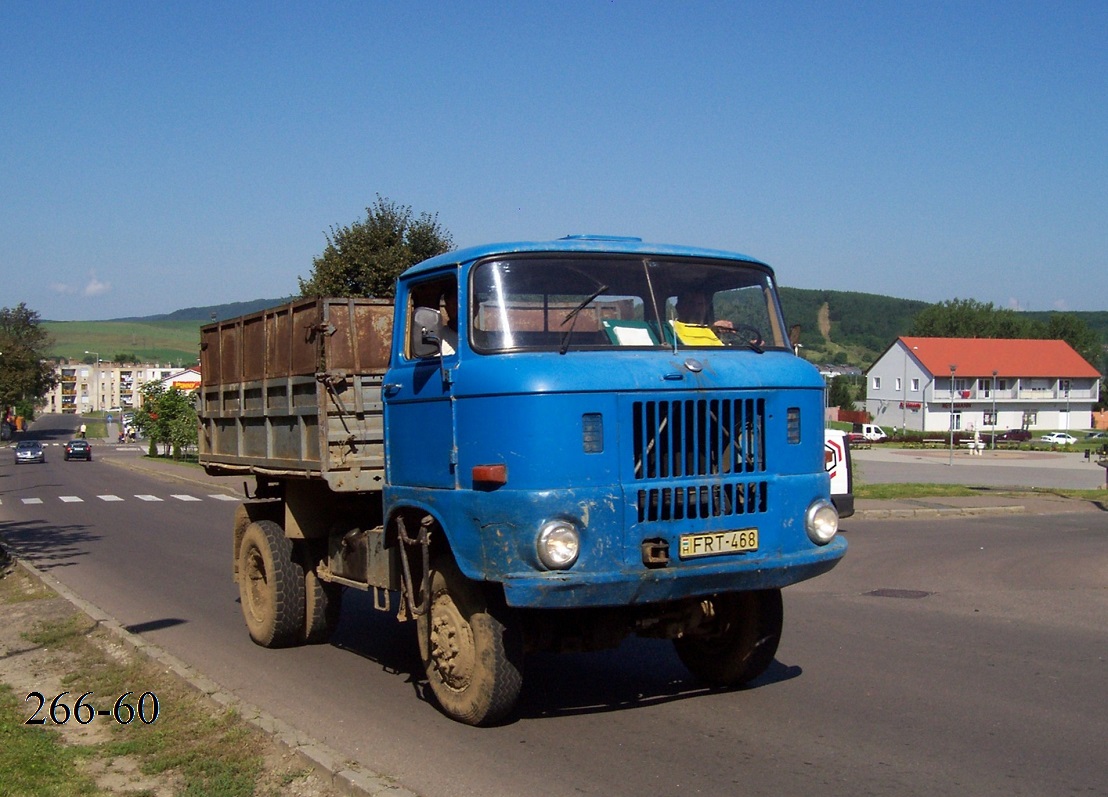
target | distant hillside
x=172, y=338
x=838, y=327
x=847, y=328
x=216, y=311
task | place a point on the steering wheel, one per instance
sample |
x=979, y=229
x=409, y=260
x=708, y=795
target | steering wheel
x=740, y=335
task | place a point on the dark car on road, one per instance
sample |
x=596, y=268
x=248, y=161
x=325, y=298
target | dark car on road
x=78, y=449
x=1014, y=436
x=29, y=451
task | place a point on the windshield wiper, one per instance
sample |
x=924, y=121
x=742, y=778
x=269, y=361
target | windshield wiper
x=572, y=317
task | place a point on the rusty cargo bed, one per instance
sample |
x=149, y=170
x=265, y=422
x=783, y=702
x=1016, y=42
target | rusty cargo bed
x=295, y=391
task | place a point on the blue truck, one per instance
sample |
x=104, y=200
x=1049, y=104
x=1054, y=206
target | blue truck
x=533, y=446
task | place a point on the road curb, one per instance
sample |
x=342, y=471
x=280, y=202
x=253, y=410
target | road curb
x=341, y=773
x=937, y=512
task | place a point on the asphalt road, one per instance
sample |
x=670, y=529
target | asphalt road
x=1028, y=468
x=967, y=656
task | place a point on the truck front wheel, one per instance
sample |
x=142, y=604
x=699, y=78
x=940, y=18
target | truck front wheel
x=271, y=586
x=741, y=642
x=472, y=652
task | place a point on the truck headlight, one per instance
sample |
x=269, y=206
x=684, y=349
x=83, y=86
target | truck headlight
x=558, y=544
x=821, y=521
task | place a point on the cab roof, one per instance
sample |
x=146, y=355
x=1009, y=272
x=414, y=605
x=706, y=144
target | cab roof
x=607, y=244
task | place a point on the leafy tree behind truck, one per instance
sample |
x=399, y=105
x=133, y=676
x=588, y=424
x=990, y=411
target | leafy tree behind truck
x=365, y=258
x=168, y=418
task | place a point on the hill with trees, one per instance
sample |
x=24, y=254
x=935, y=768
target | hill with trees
x=837, y=327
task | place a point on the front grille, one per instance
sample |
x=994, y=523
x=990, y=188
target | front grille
x=701, y=501
x=719, y=440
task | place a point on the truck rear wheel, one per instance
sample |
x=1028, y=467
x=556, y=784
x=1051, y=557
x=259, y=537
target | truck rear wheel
x=472, y=652
x=742, y=643
x=271, y=586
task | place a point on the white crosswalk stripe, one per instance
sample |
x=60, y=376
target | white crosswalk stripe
x=111, y=498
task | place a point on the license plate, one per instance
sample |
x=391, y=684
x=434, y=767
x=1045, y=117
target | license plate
x=718, y=542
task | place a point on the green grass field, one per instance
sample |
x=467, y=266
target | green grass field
x=176, y=342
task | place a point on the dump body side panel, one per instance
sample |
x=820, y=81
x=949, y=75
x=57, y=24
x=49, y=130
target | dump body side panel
x=295, y=391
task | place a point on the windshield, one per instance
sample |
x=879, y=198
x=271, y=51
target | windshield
x=563, y=302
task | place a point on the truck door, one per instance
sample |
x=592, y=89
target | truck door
x=419, y=413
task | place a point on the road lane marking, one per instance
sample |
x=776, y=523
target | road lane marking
x=71, y=499
x=32, y=500
x=148, y=498
x=109, y=498
x=186, y=497
x=224, y=497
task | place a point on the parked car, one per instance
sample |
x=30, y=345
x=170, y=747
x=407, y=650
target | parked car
x=78, y=449
x=1014, y=435
x=1059, y=438
x=857, y=439
x=29, y=451
x=1096, y=435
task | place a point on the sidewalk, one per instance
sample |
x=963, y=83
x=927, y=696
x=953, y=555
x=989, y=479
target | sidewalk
x=1045, y=503
x=1025, y=481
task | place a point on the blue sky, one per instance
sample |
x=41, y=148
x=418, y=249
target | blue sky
x=155, y=156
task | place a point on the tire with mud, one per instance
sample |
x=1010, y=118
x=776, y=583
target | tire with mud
x=471, y=648
x=742, y=643
x=271, y=586
x=322, y=606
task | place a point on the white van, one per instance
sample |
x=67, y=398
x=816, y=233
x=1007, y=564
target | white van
x=870, y=431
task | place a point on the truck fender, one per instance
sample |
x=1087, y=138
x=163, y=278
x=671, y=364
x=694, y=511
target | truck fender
x=414, y=515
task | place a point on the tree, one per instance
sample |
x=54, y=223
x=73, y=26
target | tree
x=25, y=374
x=168, y=418
x=841, y=394
x=1074, y=331
x=969, y=318
x=366, y=257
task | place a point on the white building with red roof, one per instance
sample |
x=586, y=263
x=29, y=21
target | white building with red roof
x=925, y=384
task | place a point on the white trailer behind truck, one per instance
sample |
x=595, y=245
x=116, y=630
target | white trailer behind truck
x=836, y=457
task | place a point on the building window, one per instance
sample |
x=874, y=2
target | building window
x=877, y=383
x=915, y=385
x=898, y=387
x=990, y=419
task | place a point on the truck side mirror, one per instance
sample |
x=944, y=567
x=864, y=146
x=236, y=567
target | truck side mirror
x=425, y=333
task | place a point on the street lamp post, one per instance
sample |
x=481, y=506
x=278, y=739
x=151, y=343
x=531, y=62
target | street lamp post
x=994, y=410
x=904, y=396
x=953, y=368
x=97, y=355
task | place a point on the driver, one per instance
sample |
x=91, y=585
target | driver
x=694, y=326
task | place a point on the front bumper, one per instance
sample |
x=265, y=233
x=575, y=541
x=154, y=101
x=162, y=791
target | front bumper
x=564, y=590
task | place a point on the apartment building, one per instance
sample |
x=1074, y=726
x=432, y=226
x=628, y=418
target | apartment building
x=84, y=387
